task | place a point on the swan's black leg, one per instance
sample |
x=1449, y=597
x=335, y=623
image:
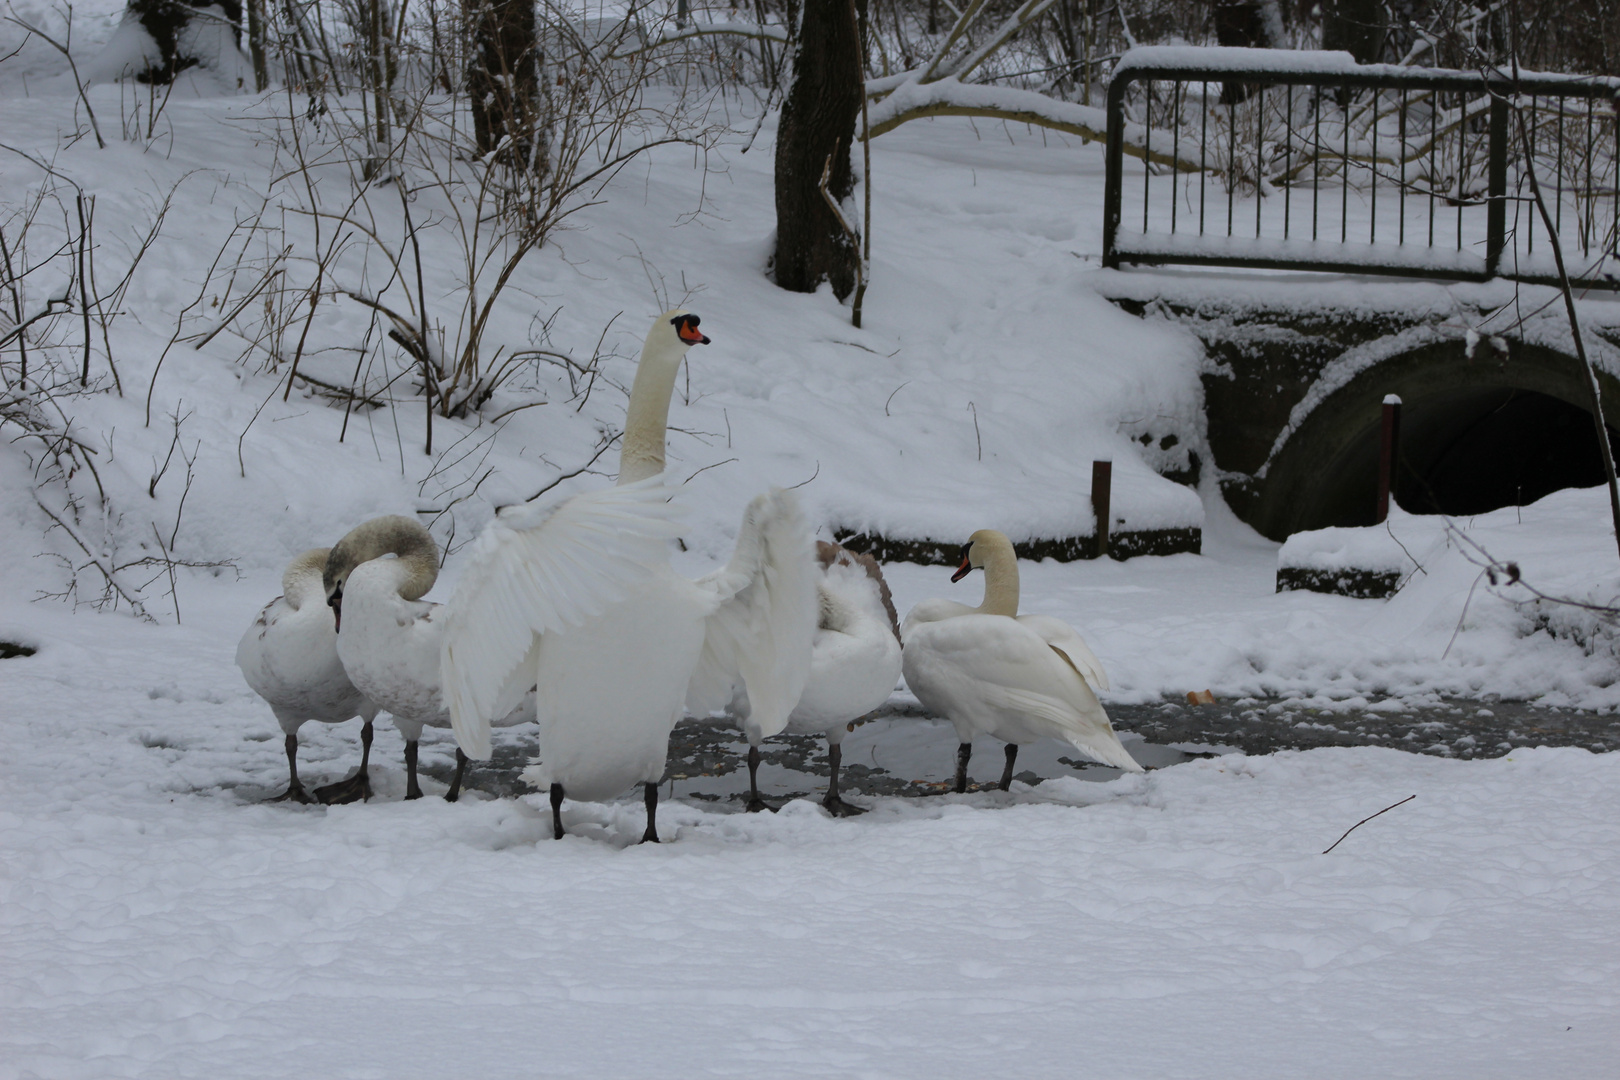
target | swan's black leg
x=413, y=790
x=1006, y=774
x=836, y=806
x=963, y=752
x=455, y=783
x=755, y=803
x=357, y=786
x=295, y=788
x=651, y=796
x=556, y=811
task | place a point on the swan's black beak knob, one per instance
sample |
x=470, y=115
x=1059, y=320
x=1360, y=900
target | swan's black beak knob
x=967, y=564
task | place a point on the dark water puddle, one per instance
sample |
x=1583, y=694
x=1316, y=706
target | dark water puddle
x=1453, y=728
x=902, y=751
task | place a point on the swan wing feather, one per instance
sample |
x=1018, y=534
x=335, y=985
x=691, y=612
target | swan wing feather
x=763, y=626
x=536, y=569
x=1071, y=646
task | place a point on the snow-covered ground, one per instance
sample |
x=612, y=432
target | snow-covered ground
x=158, y=919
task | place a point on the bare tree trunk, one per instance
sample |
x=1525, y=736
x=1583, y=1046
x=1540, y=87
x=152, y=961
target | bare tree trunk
x=1246, y=23
x=1358, y=27
x=503, y=81
x=255, y=29
x=818, y=124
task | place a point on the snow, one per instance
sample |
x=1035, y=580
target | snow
x=1375, y=548
x=158, y=919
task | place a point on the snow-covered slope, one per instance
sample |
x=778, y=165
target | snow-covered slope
x=157, y=920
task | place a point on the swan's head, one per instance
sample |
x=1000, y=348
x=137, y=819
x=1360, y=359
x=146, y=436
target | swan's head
x=678, y=330
x=333, y=578
x=392, y=535
x=978, y=549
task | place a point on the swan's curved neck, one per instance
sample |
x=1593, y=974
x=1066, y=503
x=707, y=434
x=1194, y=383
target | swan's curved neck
x=301, y=584
x=645, y=423
x=1000, y=579
x=418, y=555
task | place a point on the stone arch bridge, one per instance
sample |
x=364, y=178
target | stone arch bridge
x=1496, y=408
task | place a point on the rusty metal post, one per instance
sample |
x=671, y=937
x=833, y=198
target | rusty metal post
x=1102, y=474
x=1389, y=446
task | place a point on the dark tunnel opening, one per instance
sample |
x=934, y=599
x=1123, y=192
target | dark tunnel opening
x=1468, y=451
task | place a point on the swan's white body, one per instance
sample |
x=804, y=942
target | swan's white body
x=289, y=657
x=610, y=689
x=1020, y=678
x=855, y=660
x=609, y=693
x=390, y=647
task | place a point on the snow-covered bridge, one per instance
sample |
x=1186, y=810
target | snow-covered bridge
x=1271, y=162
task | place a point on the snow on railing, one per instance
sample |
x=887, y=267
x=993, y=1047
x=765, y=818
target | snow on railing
x=1308, y=160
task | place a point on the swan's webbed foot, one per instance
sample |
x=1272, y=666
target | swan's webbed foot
x=295, y=788
x=413, y=790
x=755, y=802
x=556, y=811
x=1006, y=774
x=837, y=807
x=295, y=793
x=963, y=753
x=455, y=783
x=355, y=789
x=834, y=805
x=651, y=797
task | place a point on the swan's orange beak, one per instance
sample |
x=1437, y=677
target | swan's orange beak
x=687, y=327
x=964, y=570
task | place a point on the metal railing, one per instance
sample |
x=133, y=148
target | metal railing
x=1308, y=161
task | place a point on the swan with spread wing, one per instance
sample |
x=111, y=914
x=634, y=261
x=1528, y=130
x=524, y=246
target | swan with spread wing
x=609, y=691
x=561, y=563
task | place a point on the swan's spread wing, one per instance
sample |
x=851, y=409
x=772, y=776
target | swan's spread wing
x=1062, y=637
x=989, y=664
x=537, y=569
x=764, y=621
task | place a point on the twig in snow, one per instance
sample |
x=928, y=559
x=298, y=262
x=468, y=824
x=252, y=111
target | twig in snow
x=978, y=442
x=706, y=468
x=1468, y=600
x=1366, y=819
x=600, y=450
x=890, y=398
x=813, y=475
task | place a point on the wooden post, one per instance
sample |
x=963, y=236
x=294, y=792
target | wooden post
x=1102, y=473
x=1388, y=453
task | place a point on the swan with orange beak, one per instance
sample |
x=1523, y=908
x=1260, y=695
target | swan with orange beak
x=990, y=670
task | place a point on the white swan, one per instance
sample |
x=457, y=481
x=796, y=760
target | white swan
x=289, y=657
x=1017, y=677
x=854, y=664
x=579, y=555
x=609, y=691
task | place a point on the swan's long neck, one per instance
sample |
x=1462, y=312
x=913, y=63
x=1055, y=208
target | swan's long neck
x=647, y=419
x=1000, y=577
x=301, y=584
x=418, y=564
